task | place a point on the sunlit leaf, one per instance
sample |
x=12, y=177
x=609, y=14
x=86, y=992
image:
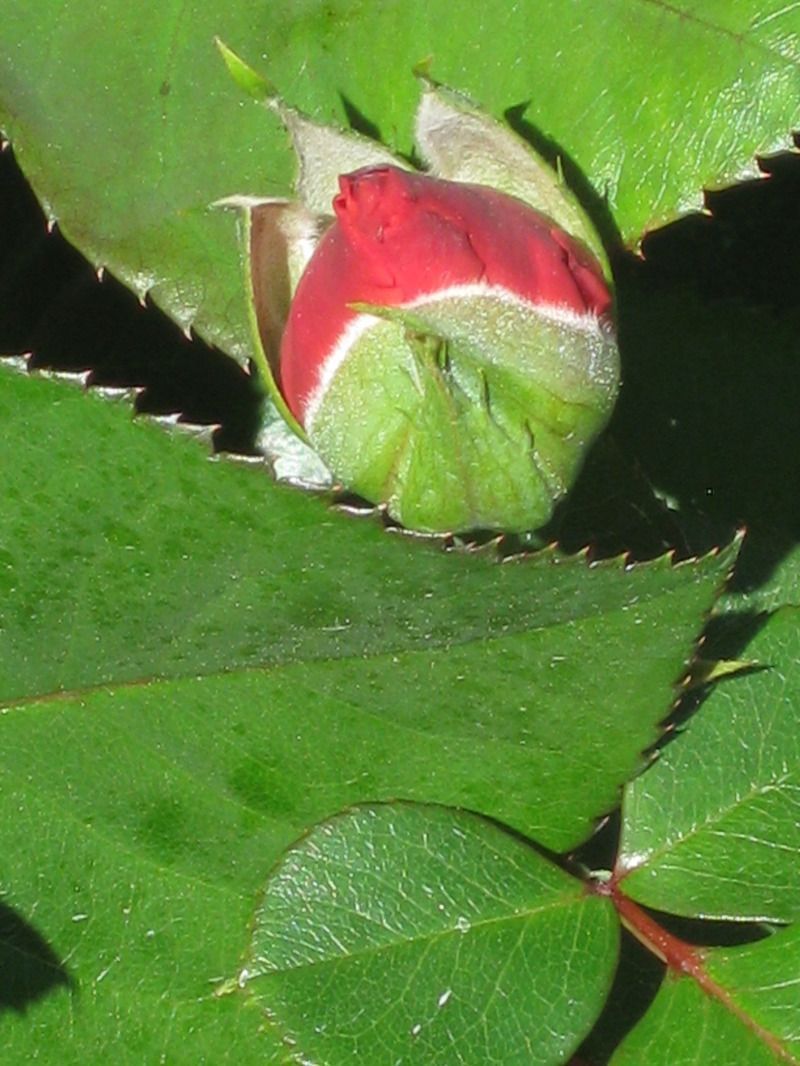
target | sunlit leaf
x=129, y=125
x=713, y=829
x=747, y=1016
x=197, y=665
x=418, y=934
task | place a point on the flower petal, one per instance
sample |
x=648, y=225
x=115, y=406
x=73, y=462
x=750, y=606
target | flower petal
x=399, y=236
x=461, y=142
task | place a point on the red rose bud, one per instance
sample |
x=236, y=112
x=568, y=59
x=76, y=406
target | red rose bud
x=448, y=352
x=399, y=237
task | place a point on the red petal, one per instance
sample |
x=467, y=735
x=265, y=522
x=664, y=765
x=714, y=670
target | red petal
x=399, y=236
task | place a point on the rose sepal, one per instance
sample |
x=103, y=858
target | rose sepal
x=279, y=235
x=458, y=433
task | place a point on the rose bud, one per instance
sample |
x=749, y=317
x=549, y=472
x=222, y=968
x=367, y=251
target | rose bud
x=448, y=352
x=441, y=344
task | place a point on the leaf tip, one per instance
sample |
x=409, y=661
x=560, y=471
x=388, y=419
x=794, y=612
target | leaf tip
x=248, y=80
x=422, y=71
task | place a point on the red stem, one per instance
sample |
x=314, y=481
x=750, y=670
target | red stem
x=681, y=959
x=675, y=953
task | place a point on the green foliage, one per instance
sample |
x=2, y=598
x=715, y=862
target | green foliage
x=724, y=844
x=466, y=944
x=751, y=1021
x=412, y=672
x=201, y=683
x=269, y=772
x=129, y=128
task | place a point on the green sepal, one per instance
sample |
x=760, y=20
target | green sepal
x=290, y=456
x=268, y=297
x=466, y=412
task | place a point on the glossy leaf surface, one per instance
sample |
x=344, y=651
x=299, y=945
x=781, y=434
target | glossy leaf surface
x=251, y=590
x=749, y=1017
x=460, y=941
x=205, y=679
x=720, y=837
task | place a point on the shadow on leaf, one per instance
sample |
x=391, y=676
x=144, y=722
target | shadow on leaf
x=708, y=323
x=29, y=969
x=52, y=304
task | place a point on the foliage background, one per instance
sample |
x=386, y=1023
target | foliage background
x=160, y=613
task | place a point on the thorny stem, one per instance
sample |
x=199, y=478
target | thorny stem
x=680, y=958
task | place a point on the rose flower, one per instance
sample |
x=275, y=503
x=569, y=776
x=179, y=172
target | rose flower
x=443, y=342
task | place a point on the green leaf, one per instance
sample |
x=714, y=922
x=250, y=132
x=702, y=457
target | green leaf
x=747, y=1016
x=713, y=829
x=197, y=664
x=766, y=582
x=418, y=934
x=129, y=126
x=385, y=637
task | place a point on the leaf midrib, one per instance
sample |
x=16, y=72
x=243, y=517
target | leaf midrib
x=426, y=938
x=489, y=638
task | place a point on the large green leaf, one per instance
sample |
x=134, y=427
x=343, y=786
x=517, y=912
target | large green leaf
x=129, y=128
x=198, y=664
x=747, y=1015
x=420, y=935
x=713, y=829
x=423, y=656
